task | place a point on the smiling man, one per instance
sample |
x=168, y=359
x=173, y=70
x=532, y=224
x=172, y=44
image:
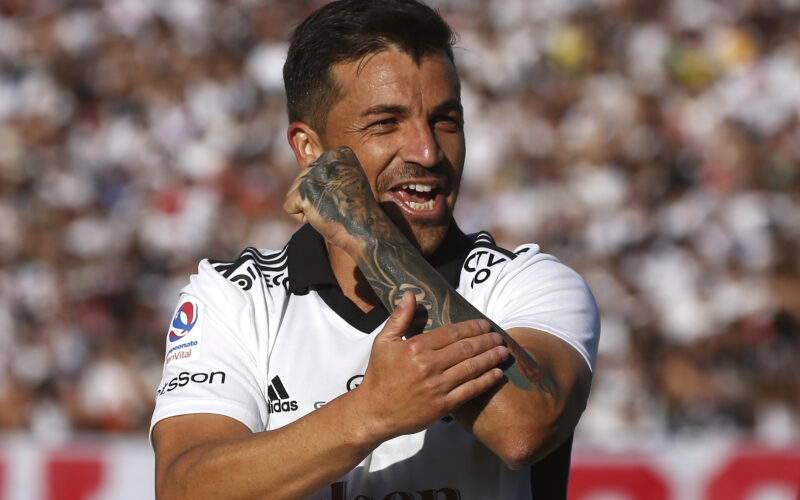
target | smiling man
x=382, y=353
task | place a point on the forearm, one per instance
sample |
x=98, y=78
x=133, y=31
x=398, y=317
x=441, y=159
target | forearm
x=392, y=266
x=291, y=462
x=335, y=198
x=521, y=422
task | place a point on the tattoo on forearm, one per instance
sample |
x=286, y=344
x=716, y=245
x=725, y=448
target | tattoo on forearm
x=442, y=304
x=337, y=188
x=392, y=265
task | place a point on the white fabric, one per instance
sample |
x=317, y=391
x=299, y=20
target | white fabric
x=255, y=335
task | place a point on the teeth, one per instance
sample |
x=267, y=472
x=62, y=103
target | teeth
x=420, y=188
x=428, y=205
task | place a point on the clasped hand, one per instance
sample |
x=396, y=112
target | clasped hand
x=334, y=196
x=411, y=383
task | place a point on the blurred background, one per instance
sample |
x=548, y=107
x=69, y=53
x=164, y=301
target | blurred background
x=653, y=146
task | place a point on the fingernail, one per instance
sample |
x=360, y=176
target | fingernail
x=484, y=324
x=498, y=339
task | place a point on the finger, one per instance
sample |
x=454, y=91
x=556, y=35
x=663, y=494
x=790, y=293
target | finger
x=292, y=206
x=464, y=349
x=401, y=317
x=448, y=334
x=293, y=199
x=473, y=367
x=299, y=217
x=473, y=388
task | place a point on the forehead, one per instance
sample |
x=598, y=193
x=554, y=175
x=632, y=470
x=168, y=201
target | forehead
x=393, y=77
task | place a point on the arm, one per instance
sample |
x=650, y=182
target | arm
x=213, y=456
x=407, y=386
x=520, y=421
x=548, y=380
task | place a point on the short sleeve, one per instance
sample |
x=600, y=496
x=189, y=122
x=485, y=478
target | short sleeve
x=536, y=290
x=211, y=362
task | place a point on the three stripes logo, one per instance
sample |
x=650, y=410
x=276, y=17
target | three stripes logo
x=279, y=401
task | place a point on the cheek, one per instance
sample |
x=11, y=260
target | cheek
x=454, y=148
x=373, y=161
x=375, y=156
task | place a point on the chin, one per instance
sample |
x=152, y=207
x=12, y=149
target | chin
x=428, y=239
x=426, y=235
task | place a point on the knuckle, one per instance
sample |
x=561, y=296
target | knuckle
x=414, y=348
x=453, y=333
x=430, y=386
x=467, y=349
x=471, y=367
x=466, y=329
x=420, y=367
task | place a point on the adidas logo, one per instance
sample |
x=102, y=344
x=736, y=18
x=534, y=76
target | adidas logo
x=278, y=397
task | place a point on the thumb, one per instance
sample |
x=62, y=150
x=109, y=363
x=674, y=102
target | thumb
x=401, y=317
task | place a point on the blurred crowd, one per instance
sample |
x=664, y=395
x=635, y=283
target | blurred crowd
x=653, y=146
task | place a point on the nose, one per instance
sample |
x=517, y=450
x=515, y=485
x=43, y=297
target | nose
x=421, y=146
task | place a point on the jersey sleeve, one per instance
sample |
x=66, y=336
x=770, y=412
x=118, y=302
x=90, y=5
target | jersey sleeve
x=212, y=360
x=535, y=290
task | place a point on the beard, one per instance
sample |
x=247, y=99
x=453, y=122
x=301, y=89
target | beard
x=426, y=235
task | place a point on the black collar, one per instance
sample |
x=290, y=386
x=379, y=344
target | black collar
x=309, y=269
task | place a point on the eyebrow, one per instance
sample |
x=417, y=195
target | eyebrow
x=397, y=109
x=453, y=104
x=388, y=109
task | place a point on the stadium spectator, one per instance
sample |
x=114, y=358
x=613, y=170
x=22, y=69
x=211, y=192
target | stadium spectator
x=654, y=147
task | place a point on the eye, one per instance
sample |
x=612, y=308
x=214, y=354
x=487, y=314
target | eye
x=384, y=125
x=451, y=123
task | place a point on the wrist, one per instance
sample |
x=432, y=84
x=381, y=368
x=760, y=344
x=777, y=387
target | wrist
x=359, y=236
x=373, y=428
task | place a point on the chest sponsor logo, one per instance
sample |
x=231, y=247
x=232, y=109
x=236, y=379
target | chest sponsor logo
x=481, y=264
x=183, y=346
x=185, y=378
x=279, y=400
x=339, y=492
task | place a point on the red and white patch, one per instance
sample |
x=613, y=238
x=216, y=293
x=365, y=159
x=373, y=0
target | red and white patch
x=183, y=338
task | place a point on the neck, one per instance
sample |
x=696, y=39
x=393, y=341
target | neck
x=351, y=280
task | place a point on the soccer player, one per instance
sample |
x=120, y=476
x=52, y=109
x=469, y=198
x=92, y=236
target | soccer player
x=382, y=353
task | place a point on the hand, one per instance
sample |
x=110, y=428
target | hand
x=334, y=196
x=411, y=383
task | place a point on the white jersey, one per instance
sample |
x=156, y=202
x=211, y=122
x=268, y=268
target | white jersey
x=270, y=337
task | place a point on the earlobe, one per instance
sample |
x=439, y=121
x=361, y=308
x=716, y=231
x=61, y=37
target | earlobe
x=304, y=142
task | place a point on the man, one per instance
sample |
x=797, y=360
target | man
x=285, y=375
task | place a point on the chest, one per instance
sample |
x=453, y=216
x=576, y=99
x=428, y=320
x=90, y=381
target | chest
x=315, y=357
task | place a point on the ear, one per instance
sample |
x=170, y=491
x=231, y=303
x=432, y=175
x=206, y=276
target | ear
x=305, y=143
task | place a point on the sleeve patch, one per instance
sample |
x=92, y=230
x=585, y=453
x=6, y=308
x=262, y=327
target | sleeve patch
x=183, y=338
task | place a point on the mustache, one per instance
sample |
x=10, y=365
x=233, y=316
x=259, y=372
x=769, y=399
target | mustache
x=411, y=171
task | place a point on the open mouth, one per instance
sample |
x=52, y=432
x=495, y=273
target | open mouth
x=418, y=199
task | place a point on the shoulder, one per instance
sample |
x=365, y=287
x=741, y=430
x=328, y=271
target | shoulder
x=267, y=268
x=487, y=259
x=526, y=287
x=487, y=262
x=252, y=283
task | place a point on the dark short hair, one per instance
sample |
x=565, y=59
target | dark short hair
x=347, y=30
